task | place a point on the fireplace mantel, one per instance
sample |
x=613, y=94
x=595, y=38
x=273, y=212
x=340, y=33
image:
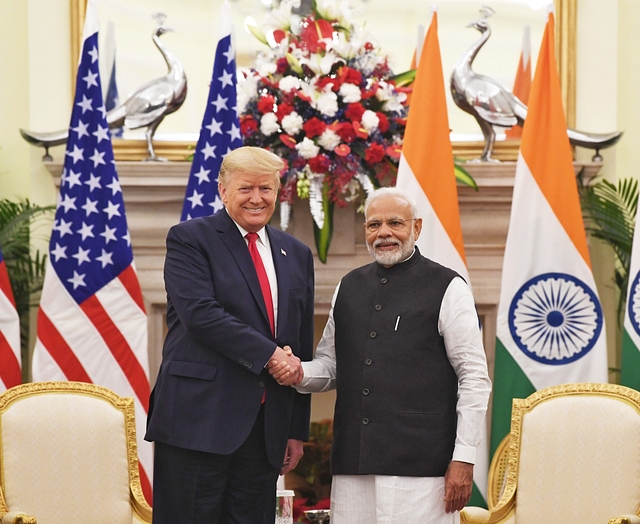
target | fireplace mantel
x=154, y=193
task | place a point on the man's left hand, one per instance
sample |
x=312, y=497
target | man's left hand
x=292, y=455
x=458, y=482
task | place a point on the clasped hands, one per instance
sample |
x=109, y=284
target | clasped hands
x=285, y=367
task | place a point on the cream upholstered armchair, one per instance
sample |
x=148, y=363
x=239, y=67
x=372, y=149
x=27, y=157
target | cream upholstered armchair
x=574, y=457
x=68, y=454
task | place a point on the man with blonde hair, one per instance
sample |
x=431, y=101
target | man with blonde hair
x=402, y=348
x=239, y=294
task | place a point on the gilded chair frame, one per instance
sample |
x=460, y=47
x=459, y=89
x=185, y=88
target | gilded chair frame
x=123, y=404
x=505, y=508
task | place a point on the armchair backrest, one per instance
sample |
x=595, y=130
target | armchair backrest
x=574, y=454
x=68, y=454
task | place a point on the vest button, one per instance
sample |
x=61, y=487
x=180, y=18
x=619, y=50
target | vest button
x=373, y=334
x=368, y=362
x=365, y=421
x=378, y=307
x=365, y=391
x=383, y=280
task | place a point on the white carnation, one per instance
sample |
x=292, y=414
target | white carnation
x=288, y=83
x=292, y=123
x=267, y=68
x=370, y=120
x=350, y=93
x=307, y=148
x=394, y=104
x=384, y=91
x=327, y=103
x=329, y=140
x=269, y=124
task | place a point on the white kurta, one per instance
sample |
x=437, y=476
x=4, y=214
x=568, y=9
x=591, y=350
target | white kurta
x=360, y=499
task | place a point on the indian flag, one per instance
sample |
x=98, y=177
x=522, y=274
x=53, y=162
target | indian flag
x=631, y=334
x=426, y=173
x=550, y=324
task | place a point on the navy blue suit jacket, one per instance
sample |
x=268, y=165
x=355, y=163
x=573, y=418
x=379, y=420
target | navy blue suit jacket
x=212, y=377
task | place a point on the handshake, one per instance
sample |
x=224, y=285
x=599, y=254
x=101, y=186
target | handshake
x=285, y=367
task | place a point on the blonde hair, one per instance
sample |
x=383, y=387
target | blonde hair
x=390, y=192
x=252, y=161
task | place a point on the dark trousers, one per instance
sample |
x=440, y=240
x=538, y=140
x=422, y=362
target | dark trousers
x=194, y=487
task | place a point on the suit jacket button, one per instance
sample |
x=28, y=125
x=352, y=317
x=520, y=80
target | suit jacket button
x=365, y=421
x=261, y=384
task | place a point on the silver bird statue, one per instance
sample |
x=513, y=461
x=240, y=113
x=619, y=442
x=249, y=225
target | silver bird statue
x=146, y=107
x=490, y=103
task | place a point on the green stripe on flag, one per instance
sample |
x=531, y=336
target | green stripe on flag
x=476, y=498
x=630, y=375
x=509, y=382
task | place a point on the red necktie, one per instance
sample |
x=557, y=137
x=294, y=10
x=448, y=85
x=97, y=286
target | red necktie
x=262, y=277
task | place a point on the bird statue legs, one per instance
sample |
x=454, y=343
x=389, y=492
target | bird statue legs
x=151, y=130
x=489, y=140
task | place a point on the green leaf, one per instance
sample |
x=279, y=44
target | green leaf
x=294, y=63
x=609, y=212
x=323, y=236
x=462, y=175
x=405, y=79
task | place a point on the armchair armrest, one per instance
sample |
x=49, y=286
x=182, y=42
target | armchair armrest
x=18, y=517
x=473, y=514
x=625, y=519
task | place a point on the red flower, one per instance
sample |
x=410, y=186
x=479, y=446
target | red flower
x=394, y=151
x=282, y=65
x=325, y=81
x=248, y=125
x=288, y=141
x=266, y=103
x=283, y=110
x=313, y=31
x=354, y=111
x=320, y=164
x=342, y=150
x=351, y=76
x=278, y=35
x=374, y=153
x=360, y=131
x=314, y=127
x=345, y=131
x=383, y=125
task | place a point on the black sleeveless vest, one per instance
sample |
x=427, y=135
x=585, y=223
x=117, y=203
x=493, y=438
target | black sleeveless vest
x=396, y=390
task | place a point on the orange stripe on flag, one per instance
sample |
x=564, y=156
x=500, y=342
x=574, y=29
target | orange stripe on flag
x=545, y=145
x=427, y=146
x=521, y=86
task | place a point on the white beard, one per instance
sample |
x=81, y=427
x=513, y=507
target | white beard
x=391, y=258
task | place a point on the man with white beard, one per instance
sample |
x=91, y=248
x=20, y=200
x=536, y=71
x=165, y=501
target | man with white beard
x=403, y=349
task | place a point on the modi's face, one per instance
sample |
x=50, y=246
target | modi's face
x=249, y=199
x=390, y=230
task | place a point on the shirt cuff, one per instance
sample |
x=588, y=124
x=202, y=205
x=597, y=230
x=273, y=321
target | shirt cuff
x=464, y=454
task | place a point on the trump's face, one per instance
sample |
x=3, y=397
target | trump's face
x=250, y=199
x=391, y=232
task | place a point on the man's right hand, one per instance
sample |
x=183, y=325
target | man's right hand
x=285, y=367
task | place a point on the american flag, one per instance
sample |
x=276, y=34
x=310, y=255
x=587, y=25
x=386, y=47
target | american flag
x=9, y=333
x=92, y=325
x=220, y=131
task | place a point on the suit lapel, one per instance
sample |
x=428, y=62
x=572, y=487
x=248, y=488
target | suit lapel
x=237, y=245
x=282, y=264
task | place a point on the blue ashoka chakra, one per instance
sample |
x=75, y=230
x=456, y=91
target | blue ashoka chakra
x=634, y=304
x=555, y=318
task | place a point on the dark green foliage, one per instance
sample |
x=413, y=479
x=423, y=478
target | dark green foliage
x=609, y=212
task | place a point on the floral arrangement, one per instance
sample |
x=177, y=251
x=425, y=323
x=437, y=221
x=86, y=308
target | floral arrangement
x=323, y=98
